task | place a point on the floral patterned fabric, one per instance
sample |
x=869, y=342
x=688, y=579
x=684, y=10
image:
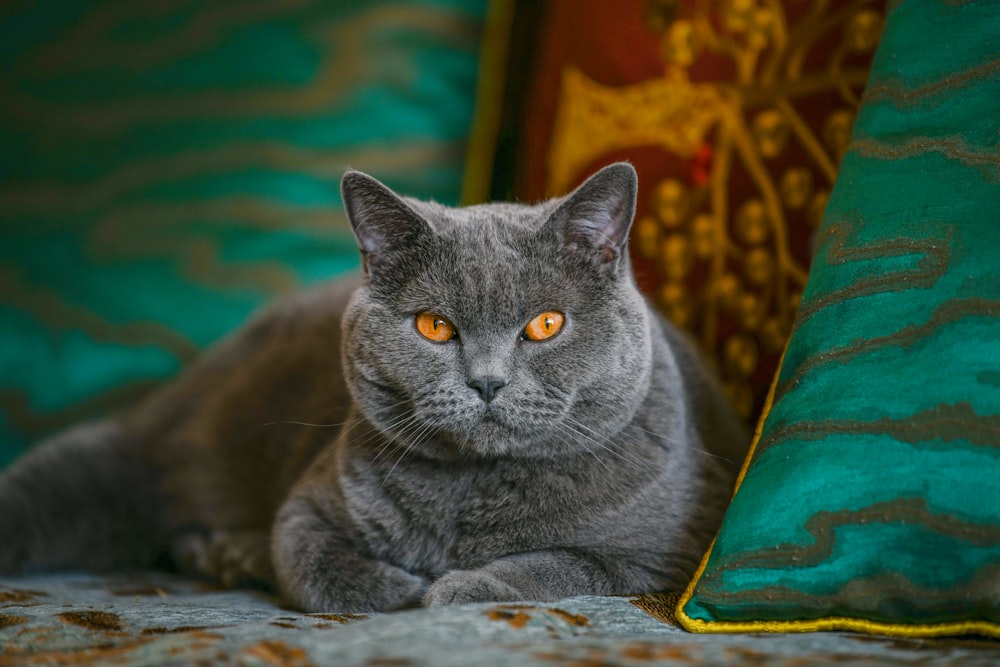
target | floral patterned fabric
x=157, y=619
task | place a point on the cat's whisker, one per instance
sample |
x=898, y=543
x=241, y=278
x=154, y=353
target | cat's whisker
x=359, y=420
x=400, y=421
x=335, y=424
x=624, y=456
x=624, y=453
x=422, y=435
x=298, y=423
x=402, y=426
x=675, y=442
x=390, y=444
x=587, y=449
x=399, y=428
x=383, y=441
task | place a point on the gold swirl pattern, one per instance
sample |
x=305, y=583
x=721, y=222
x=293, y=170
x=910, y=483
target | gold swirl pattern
x=56, y=199
x=92, y=42
x=673, y=115
x=822, y=528
x=893, y=91
x=948, y=423
x=35, y=423
x=54, y=311
x=841, y=246
x=986, y=160
x=869, y=595
x=345, y=68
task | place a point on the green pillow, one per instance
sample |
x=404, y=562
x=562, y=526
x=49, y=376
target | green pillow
x=168, y=167
x=871, y=499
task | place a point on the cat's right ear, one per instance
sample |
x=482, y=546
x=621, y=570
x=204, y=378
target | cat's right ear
x=594, y=220
x=384, y=225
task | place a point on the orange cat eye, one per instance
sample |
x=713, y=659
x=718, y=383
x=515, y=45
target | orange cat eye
x=434, y=327
x=545, y=325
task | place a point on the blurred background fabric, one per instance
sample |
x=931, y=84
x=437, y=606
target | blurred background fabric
x=168, y=166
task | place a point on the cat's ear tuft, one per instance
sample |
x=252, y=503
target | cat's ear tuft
x=595, y=219
x=384, y=225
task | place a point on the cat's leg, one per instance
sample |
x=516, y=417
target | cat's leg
x=319, y=568
x=543, y=576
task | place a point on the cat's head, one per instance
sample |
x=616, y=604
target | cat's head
x=499, y=329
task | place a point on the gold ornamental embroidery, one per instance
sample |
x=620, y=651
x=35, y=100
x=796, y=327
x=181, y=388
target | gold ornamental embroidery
x=727, y=241
x=595, y=119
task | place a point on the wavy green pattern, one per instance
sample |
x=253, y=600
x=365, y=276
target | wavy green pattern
x=169, y=166
x=873, y=492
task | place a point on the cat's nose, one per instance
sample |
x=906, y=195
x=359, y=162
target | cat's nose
x=487, y=386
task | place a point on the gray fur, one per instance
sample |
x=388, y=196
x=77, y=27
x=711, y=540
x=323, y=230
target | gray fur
x=597, y=468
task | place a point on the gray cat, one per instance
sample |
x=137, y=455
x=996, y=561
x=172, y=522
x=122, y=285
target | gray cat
x=491, y=413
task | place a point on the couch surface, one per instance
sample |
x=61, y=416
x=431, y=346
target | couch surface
x=154, y=618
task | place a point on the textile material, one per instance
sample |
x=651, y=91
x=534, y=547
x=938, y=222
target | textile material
x=871, y=500
x=169, y=166
x=735, y=114
x=156, y=619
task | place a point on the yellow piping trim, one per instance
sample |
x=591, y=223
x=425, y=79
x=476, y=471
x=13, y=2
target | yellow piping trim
x=489, y=102
x=985, y=628
x=686, y=621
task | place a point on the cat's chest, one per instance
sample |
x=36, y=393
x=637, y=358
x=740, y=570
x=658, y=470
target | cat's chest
x=437, y=518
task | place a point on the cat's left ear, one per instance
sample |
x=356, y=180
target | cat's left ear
x=595, y=219
x=385, y=225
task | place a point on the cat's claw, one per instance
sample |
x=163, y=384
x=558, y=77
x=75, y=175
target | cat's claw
x=462, y=586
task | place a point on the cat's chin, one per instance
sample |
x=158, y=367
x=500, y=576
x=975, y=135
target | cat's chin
x=491, y=438
x=488, y=438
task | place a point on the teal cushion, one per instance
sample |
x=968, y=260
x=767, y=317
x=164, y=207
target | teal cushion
x=871, y=499
x=168, y=167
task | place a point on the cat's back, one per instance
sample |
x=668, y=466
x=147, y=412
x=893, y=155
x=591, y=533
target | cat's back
x=232, y=433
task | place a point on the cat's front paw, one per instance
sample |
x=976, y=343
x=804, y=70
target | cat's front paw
x=461, y=586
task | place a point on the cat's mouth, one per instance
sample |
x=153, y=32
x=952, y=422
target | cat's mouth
x=490, y=417
x=493, y=416
x=499, y=431
x=490, y=437
x=493, y=428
